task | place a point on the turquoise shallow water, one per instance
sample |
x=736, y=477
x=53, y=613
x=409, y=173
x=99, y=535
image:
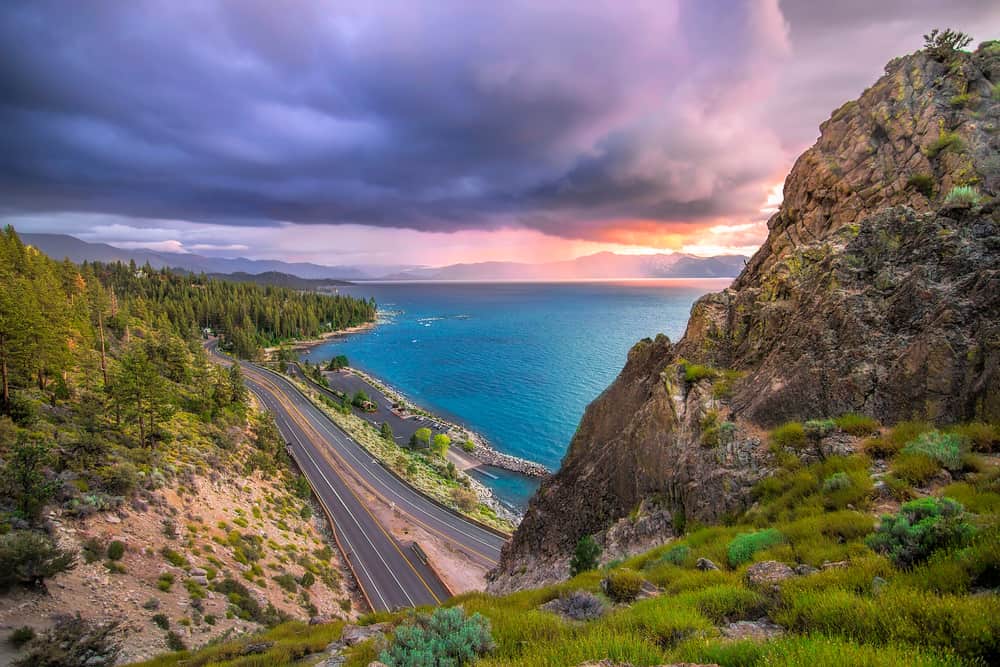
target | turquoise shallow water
x=516, y=362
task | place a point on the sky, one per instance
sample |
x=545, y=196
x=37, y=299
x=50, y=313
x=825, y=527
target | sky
x=429, y=133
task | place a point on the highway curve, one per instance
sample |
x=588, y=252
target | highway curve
x=389, y=574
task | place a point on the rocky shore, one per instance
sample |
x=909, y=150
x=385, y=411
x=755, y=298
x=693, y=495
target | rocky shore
x=482, y=450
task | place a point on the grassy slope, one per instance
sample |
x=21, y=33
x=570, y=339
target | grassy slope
x=942, y=612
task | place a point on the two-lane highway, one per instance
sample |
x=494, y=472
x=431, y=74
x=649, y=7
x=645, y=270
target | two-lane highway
x=389, y=574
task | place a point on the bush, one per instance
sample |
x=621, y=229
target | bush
x=742, y=548
x=622, y=585
x=577, y=605
x=838, y=481
x=585, y=556
x=880, y=447
x=174, y=558
x=174, y=642
x=116, y=550
x=676, y=555
x=161, y=620
x=945, y=448
x=789, y=434
x=465, y=499
x=286, y=581
x=307, y=579
x=446, y=637
x=165, y=581
x=921, y=527
x=817, y=429
x=917, y=469
x=28, y=558
x=978, y=436
x=21, y=636
x=92, y=549
x=964, y=196
x=922, y=183
x=856, y=424
x=695, y=372
x=73, y=641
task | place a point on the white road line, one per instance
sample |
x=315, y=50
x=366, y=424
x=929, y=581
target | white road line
x=360, y=527
x=324, y=425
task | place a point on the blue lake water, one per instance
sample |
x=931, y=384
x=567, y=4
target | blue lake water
x=515, y=362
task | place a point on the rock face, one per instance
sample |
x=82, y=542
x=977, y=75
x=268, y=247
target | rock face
x=874, y=293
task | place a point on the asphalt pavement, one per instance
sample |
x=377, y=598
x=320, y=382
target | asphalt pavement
x=390, y=574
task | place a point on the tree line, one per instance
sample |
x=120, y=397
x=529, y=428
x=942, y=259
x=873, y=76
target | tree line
x=248, y=316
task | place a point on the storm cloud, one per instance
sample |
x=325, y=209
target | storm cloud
x=582, y=120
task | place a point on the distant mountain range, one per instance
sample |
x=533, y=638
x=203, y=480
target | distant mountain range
x=63, y=245
x=598, y=266
x=302, y=275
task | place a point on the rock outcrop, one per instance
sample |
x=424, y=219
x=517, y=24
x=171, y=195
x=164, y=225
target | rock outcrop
x=877, y=291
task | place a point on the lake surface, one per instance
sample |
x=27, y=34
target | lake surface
x=515, y=362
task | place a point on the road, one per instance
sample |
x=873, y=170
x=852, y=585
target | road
x=389, y=574
x=402, y=428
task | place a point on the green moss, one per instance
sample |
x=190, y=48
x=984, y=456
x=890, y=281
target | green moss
x=946, y=141
x=922, y=183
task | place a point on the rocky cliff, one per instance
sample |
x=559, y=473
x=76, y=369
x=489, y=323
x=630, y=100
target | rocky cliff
x=877, y=291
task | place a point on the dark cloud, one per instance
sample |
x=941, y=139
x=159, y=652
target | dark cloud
x=561, y=116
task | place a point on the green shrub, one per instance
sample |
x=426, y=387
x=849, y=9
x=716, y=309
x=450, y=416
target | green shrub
x=27, y=558
x=307, y=579
x=676, y=555
x=468, y=446
x=962, y=195
x=945, y=141
x=978, y=436
x=446, y=637
x=585, y=556
x=922, y=183
x=161, y=620
x=93, y=550
x=21, y=636
x=921, y=527
x=945, y=448
x=856, y=424
x=116, y=550
x=696, y=372
x=916, y=469
x=838, y=481
x=175, y=642
x=622, y=585
x=165, y=581
x=174, y=558
x=742, y=548
x=789, y=434
x=880, y=447
x=286, y=581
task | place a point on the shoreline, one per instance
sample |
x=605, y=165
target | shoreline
x=482, y=451
x=324, y=337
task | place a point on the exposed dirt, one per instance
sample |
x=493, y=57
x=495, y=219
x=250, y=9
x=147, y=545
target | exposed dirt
x=202, y=518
